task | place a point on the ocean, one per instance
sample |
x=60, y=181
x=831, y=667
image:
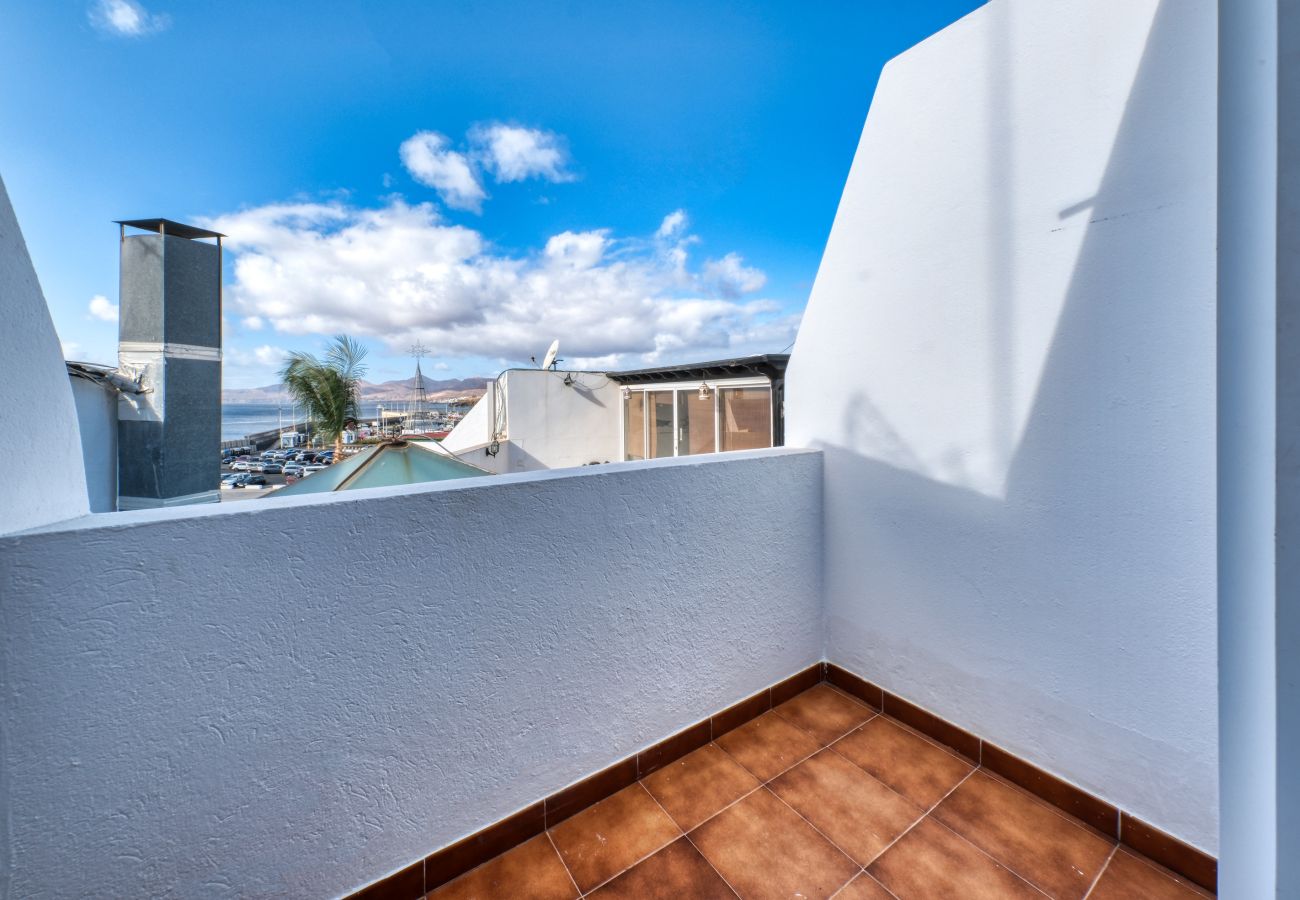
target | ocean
x=240, y=419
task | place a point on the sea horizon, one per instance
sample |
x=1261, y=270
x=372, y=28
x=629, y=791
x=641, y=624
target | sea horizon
x=241, y=419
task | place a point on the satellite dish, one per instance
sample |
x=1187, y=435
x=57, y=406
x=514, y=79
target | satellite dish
x=549, y=359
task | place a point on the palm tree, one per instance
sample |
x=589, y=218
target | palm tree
x=328, y=388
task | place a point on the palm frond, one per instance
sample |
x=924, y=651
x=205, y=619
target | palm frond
x=327, y=388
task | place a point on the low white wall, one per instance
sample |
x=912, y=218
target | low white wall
x=296, y=698
x=43, y=477
x=1009, y=359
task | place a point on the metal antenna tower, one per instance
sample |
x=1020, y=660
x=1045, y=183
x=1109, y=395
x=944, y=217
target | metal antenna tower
x=418, y=418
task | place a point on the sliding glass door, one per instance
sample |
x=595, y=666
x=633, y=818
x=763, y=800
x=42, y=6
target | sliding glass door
x=695, y=423
x=682, y=421
x=661, y=424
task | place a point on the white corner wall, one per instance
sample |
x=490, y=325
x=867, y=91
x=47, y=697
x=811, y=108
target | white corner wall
x=474, y=432
x=549, y=425
x=96, y=406
x=1008, y=359
x=554, y=425
x=38, y=424
x=297, y=698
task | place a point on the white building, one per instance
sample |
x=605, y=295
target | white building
x=531, y=419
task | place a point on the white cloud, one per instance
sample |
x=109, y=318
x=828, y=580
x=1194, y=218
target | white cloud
x=71, y=349
x=263, y=357
x=673, y=224
x=577, y=250
x=730, y=277
x=512, y=153
x=125, y=18
x=101, y=308
x=429, y=160
x=253, y=323
x=399, y=272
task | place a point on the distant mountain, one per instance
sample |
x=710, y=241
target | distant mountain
x=396, y=391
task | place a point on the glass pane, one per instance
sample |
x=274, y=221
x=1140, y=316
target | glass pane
x=661, y=424
x=694, y=423
x=746, y=415
x=634, y=426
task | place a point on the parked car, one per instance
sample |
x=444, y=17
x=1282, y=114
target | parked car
x=272, y=468
x=314, y=467
x=250, y=481
x=293, y=468
x=240, y=465
x=231, y=477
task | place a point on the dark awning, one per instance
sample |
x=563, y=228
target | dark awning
x=769, y=365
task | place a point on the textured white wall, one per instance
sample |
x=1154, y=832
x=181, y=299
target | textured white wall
x=296, y=698
x=1009, y=360
x=36, y=381
x=474, y=432
x=1259, y=283
x=97, y=423
x=549, y=425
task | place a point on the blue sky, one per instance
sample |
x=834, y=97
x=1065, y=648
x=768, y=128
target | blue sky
x=647, y=182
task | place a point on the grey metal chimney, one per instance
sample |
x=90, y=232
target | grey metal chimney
x=169, y=337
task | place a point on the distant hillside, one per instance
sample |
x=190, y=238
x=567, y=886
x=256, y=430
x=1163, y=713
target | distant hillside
x=396, y=391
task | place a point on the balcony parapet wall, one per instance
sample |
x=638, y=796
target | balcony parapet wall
x=298, y=697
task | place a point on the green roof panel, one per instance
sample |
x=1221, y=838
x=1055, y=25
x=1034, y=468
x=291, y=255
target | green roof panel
x=385, y=465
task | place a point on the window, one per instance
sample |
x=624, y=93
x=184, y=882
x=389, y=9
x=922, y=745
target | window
x=677, y=421
x=634, y=426
x=745, y=418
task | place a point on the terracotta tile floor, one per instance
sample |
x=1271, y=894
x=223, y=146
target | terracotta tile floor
x=821, y=797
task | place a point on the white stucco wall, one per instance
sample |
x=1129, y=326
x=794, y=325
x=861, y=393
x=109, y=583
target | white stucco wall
x=549, y=425
x=474, y=431
x=1009, y=360
x=38, y=425
x=294, y=699
x=97, y=424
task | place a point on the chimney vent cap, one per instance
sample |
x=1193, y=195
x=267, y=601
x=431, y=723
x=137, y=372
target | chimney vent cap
x=167, y=226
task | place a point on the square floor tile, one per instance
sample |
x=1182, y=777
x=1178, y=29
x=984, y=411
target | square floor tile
x=619, y=831
x=764, y=849
x=768, y=745
x=918, y=769
x=859, y=814
x=824, y=712
x=531, y=871
x=931, y=861
x=699, y=784
x=1127, y=877
x=864, y=887
x=676, y=871
x=1036, y=841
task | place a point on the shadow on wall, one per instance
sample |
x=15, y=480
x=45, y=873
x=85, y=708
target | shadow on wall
x=1072, y=620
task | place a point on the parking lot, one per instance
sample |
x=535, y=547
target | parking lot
x=249, y=492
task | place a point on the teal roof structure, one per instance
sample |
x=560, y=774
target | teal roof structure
x=385, y=465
